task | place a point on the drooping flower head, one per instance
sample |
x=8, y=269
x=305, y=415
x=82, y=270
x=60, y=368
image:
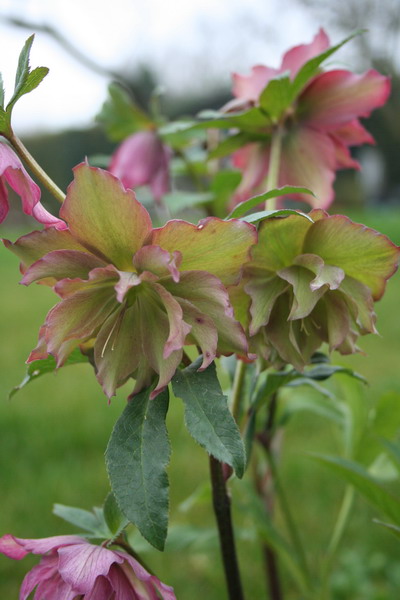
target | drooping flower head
x=138, y=294
x=312, y=282
x=317, y=127
x=142, y=159
x=13, y=173
x=73, y=568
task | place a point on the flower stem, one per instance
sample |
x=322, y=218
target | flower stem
x=237, y=389
x=274, y=164
x=222, y=510
x=36, y=169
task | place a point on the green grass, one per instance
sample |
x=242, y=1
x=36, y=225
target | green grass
x=54, y=432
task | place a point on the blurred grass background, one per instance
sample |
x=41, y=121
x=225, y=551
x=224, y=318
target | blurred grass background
x=54, y=432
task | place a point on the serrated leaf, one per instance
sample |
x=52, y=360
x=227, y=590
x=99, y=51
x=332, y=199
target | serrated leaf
x=5, y=124
x=276, y=96
x=25, y=79
x=136, y=459
x=207, y=415
x=311, y=67
x=178, y=201
x=91, y=522
x=244, y=207
x=357, y=476
x=37, y=368
x=120, y=116
x=113, y=516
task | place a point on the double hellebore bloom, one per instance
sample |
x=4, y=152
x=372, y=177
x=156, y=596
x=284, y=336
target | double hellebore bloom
x=72, y=568
x=142, y=159
x=317, y=128
x=139, y=294
x=13, y=173
x=313, y=282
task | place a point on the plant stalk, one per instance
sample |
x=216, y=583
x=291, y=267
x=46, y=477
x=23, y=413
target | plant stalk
x=222, y=510
x=274, y=165
x=36, y=169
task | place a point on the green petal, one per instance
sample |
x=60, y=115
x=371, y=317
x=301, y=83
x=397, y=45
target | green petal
x=362, y=253
x=30, y=248
x=158, y=261
x=337, y=319
x=203, y=332
x=359, y=300
x=280, y=241
x=62, y=264
x=104, y=217
x=217, y=246
x=263, y=293
x=117, y=349
x=324, y=274
x=304, y=298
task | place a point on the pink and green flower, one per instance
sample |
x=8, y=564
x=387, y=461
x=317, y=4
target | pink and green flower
x=318, y=127
x=74, y=569
x=138, y=295
x=310, y=283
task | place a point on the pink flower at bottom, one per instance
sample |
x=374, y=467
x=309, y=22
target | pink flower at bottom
x=72, y=568
x=13, y=173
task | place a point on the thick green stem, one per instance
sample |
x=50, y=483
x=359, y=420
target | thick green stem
x=237, y=389
x=36, y=169
x=222, y=510
x=274, y=165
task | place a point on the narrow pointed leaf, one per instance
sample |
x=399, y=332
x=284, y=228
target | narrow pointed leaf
x=1, y=92
x=311, y=67
x=244, y=207
x=136, y=459
x=84, y=519
x=257, y=217
x=392, y=528
x=48, y=365
x=357, y=476
x=276, y=97
x=207, y=415
x=25, y=79
x=116, y=521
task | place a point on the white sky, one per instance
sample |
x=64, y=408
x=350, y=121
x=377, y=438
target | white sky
x=186, y=41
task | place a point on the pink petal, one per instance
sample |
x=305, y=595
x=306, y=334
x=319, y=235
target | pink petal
x=296, y=57
x=166, y=592
x=249, y=87
x=14, y=173
x=253, y=160
x=103, y=590
x=81, y=563
x=158, y=261
x=143, y=159
x=309, y=160
x=353, y=134
x=336, y=98
x=178, y=329
x=40, y=574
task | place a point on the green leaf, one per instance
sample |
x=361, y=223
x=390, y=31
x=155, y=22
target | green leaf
x=276, y=97
x=373, y=491
x=37, y=368
x=88, y=521
x=5, y=122
x=232, y=143
x=268, y=214
x=25, y=79
x=251, y=120
x=311, y=67
x=113, y=516
x=178, y=201
x=324, y=371
x=120, y=116
x=136, y=458
x=244, y=207
x=394, y=451
x=223, y=185
x=207, y=415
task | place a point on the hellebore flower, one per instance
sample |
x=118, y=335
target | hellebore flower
x=73, y=568
x=309, y=283
x=142, y=159
x=139, y=294
x=317, y=128
x=14, y=174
